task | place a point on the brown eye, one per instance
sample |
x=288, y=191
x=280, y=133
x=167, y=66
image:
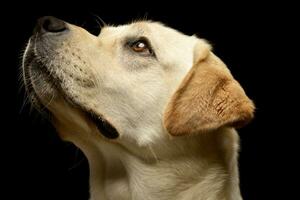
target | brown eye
x=141, y=47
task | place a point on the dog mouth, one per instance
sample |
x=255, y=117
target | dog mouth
x=103, y=125
x=31, y=63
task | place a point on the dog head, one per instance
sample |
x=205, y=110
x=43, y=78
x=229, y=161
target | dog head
x=135, y=83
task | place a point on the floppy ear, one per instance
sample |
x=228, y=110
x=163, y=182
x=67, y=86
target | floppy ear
x=208, y=98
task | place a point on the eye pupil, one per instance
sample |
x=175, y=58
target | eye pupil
x=139, y=46
x=142, y=47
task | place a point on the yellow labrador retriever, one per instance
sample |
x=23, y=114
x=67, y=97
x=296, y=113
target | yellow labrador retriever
x=153, y=110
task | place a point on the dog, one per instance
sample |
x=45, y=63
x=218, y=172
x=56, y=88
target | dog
x=153, y=110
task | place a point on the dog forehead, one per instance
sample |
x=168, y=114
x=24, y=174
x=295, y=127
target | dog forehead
x=171, y=46
x=143, y=28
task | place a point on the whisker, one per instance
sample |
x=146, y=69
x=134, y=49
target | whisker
x=77, y=163
x=25, y=102
x=145, y=18
x=100, y=21
x=153, y=152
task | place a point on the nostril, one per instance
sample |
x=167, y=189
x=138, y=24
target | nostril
x=46, y=24
x=51, y=24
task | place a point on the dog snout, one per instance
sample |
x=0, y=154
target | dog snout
x=49, y=24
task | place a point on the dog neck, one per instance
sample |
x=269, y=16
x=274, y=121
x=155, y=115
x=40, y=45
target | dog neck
x=197, y=167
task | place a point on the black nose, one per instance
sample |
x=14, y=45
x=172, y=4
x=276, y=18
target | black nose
x=50, y=24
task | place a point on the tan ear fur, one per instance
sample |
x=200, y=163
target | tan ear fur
x=208, y=98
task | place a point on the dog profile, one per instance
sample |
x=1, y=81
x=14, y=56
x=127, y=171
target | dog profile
x=153, y=110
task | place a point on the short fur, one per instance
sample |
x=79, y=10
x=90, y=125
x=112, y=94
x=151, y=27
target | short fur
x=175, y=111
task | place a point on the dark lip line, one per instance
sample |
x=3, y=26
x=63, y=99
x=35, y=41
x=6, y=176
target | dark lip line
x=103, y=125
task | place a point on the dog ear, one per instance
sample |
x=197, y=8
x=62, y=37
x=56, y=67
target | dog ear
x=208, y=98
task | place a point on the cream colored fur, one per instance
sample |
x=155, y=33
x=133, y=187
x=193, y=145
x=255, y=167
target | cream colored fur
x=138, y=95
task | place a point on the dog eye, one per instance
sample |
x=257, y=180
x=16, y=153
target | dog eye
x=142, y=47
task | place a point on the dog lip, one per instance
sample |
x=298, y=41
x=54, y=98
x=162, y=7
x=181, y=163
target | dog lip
x=104, y=127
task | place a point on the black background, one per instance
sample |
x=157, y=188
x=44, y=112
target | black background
x=254, y=40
